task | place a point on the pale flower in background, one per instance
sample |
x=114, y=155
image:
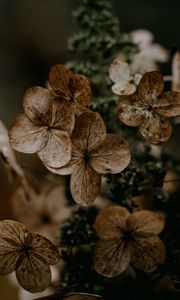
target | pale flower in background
x=149, y=53
x=125, y=81
x=176, y=72
x=44, y=213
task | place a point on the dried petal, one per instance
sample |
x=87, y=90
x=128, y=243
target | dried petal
x=176, y=72
x=121, y=89
x=57, y=151
x=89, y=131
x=59, y=79
x=111, y=257
x=80, y=90
x=146, y=221
x=81, y=296
x=44, y=248
x=111, y=222
x=8, y=259
x=37, y=105
x=169, y=105
x=33, y=273
x=148, y=253
x=112, y=156
x=63, y=115
x=85, y=183
x=150, y=87
x=119, y=71
x=131, y=111
x=156, y=129
x=25, y=136
x=14, y=231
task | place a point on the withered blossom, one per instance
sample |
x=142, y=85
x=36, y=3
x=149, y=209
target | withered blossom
x=45, y=212
x=73, y=296
x=128, y=238
x=94, y=152
x=73, y=88
x=125, y=82
x=150, y=108
x=44, y=127
x=176, y=72
x=9, y=156
x=149, y=53
x=28, y=254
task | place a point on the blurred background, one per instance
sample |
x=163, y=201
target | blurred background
x=33, y=37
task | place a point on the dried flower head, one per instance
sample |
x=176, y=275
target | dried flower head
x=73, y=296
x=120, y=73
x=28, y=254
x=45, y=212
x=8, y=154
x=149, y=53
x=176, y=72
x=73, y=88
x=44, y=127
x=150, y=109
x=94, y=152
x=128, y=238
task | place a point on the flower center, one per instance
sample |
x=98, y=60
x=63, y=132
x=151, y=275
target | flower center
x=128, y=235
x=45, y=218
x=87, y=157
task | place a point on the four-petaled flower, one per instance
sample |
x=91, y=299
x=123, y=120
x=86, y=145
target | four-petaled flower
x=128, y=238
x=44, y=127
x=94, y=152
x=125, y=81
x=29, y=254
x=150, y=109
x=73, y=88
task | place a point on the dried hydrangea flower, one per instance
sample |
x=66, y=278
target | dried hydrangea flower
x=94, y=152
x=73, y=296
x=44, y=127
x=28, y=254
x=128, y=238
x=8, y=154
x=149, y=53
x=176, y=72
x=151, y=109
x=120, y=73
x=73, y=88
x=45, y=212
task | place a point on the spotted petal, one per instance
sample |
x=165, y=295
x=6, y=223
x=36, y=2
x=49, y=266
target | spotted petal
x=131, y=112
x=169, y=105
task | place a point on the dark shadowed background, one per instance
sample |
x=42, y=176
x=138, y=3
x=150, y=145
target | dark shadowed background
x=34, y=33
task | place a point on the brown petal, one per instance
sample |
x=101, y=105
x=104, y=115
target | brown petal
x=8, y=260
x=37, y=105
x=112, y=157
x=14, y=231
x=63, y=115
x=150, y=87
x=168, y=105
x=59, y=78
x=148, y=253
x=89, y=131
x=33, y=273
x=111, y=257
x=25, y=136
x=130, y=111
x=146, y=221
x=57, y=151
x=80, y=90
x=156, y=129
x=44, y=248
x=111, y=221
x=85, y=184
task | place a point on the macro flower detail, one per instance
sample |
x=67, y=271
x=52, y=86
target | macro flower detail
x=149, y=53
x=28, y=254
x=74, y=88
x=44, y=127
x=94, y=152
x=125, y=82
x=45, y=212
x=150, y=108
x=128, y=238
